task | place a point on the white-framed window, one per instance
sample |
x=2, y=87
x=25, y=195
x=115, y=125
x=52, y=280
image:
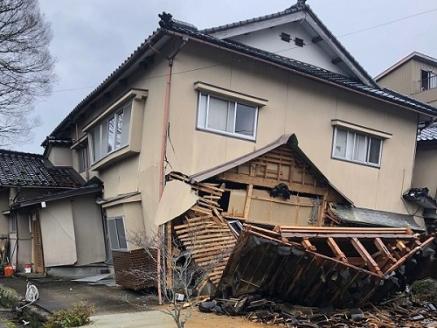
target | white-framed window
x=112, y=133
x=357, y=147
x=116, y=233
x=227, y=117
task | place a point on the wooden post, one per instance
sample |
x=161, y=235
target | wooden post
x=248, y=200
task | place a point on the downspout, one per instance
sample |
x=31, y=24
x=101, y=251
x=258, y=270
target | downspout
x=166, y=115
x=165, y=123
x=165, y=127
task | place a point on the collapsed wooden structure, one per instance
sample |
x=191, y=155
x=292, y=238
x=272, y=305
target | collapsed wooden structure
x=321, y=266
x=293, y=245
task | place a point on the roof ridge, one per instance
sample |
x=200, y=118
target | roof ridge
x=16, y=152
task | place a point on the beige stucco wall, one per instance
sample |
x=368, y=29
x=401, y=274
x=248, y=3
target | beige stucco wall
x=425, y=171
x=403, y=79
x=60, y=156
x=132, y=214
x=88, y=231
x=295, y=105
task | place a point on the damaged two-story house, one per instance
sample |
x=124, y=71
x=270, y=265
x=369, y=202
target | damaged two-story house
x=271, y=105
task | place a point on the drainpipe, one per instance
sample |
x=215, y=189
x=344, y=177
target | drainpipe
x=165, y=127
x=165, y=123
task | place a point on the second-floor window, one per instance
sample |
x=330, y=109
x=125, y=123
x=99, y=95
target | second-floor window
x=83, y=158
x=428, y=80
x=112, y=133
x=227, y=116
x=356, y=147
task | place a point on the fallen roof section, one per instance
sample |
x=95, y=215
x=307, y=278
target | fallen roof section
x=363, y=216
x=319, y=271
x=18, y=169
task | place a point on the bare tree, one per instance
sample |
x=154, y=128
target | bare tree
x=177, y=262
x=26, y=67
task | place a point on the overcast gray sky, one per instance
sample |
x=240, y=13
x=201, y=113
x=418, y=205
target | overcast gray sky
x=92, y=37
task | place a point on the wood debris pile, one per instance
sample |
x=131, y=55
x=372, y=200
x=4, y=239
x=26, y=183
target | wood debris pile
x=323, y=266
x=399, y=312
x=205, y=233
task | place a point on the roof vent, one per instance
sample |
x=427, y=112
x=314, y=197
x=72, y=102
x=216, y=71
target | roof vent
x=299, y=42
x=285, y=37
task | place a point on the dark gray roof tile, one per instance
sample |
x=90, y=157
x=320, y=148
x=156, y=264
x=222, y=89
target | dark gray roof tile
x=18, y=169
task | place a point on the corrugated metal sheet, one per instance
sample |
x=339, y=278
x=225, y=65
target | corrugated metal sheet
x=355, y=215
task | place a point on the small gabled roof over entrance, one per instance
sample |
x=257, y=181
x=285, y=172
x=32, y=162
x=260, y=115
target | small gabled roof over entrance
x=319, y=36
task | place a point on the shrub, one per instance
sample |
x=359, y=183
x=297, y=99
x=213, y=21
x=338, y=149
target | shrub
x=425, y=290
x=8, y=297
x=78, y=315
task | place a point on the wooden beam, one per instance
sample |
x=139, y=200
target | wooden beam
x=248, y=201
x=307, y=244
x=271, y=183
x=384, y=250
x=336, y=250
x=371, y=263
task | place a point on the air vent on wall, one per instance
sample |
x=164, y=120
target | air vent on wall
x=299, y=42
x=285, y=37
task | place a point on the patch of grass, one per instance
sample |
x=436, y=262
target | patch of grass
x=8, y=297
x=78, y=315
x=425, y=290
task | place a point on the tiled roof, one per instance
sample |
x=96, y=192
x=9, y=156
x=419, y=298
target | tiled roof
x=428, y=134
x=167, y=27
x=19, y=169
x=306, y=69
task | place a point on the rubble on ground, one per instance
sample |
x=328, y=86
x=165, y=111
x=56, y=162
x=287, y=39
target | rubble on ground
x=400, y=311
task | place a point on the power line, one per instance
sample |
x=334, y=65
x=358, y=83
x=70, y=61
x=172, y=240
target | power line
x=370, y=27
x=285, y=49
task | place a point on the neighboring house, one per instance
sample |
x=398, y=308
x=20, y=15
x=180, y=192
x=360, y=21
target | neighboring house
x=189, y=100
x=416, y=76
x=50, y=215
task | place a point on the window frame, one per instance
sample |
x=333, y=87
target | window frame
x=102, y=125
x=83, y=155
x=368, y=142
x=114, y=218
x=235, y=104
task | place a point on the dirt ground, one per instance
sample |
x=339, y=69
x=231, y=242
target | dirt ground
x=203, y=320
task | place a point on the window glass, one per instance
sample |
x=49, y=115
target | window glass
x=120, y=232
x=83, y=158
x=201, y=115
x=112, y=133
x=125, y=126
x=219, y=115
x=360, y=148
x=112, y=233
x=340, y=143
x=110, y=137
x=356, y=147
x=245, y=120
x=227, y=116
x=96, y=143
x=374, y=150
